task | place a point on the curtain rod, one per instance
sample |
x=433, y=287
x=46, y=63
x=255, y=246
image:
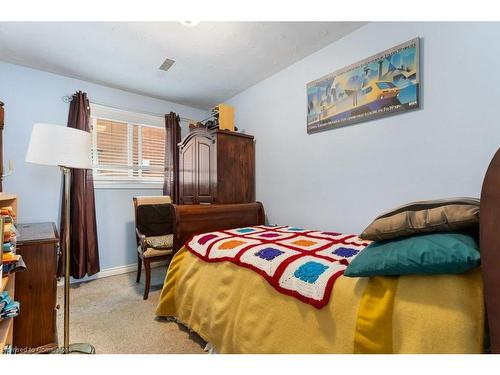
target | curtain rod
x=69, y=98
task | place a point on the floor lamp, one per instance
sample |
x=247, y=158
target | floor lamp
x=66, y=148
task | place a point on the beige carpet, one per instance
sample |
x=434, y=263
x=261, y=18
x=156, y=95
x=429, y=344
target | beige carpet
x=111, y=314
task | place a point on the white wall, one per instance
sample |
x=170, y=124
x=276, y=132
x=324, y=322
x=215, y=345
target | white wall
x=34, y=96
x=340, y=179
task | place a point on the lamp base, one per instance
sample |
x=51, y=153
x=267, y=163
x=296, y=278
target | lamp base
x=77, y=348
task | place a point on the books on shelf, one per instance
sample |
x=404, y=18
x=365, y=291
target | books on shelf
x=8, y=248
x=10, y=258
x=9, y=262
x=8, y=307
x=9, y=228
x=14, y=265
x=8, y=211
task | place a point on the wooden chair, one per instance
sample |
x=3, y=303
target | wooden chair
x=154, y=227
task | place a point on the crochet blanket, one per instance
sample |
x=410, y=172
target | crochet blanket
x=296, y=262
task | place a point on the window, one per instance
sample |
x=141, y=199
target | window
x=128, y=148
x=385, y=85
x=366, y=90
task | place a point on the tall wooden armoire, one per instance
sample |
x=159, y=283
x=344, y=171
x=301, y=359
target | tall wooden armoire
x=216, y=166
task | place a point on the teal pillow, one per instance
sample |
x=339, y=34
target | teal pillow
x=428, y=254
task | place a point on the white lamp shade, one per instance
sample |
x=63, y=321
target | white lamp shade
x=60, y=145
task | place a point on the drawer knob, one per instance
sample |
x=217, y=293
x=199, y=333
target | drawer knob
x=57, y=307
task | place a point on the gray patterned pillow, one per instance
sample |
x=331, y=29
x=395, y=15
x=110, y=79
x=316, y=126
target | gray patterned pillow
x=442, y=215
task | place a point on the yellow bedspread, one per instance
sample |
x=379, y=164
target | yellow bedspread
x=237, y=311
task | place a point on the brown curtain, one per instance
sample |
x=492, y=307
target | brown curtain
x=172, y=139
x=83, y=234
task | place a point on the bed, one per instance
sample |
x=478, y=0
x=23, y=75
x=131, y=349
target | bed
x=238, y=311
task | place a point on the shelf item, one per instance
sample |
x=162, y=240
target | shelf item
x=9, y=200
x=8, y=281
x=8, y=307
x=7, y=325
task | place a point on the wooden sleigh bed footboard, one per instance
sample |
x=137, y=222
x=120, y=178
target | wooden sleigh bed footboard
x=195, y=219
x=489, y=243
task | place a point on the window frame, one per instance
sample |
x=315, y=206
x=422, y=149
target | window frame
x=130, y=118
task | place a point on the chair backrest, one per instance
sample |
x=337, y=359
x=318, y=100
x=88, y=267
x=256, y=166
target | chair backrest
x=151, y=199
x=153, y=215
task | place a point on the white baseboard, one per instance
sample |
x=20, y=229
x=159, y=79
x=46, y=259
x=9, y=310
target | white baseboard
x=113, y=271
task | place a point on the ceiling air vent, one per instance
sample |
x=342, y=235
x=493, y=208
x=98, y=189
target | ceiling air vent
x=167, y=64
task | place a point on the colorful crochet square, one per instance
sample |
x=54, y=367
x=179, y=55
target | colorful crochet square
x=310, y=271
x=346, y=252
x=304, y=243
x=333, y=234
x=245, y=230
x=310, y=278
x=230, y=245
x=270, y=235
x=201, y=243
x=266, y=258
x=297, y=262
x=207, y=237
x=329, y=235
x=341, y=252
x=269, y=253
x=229, y=248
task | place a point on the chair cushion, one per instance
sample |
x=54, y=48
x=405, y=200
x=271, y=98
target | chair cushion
x=160, y=242
x=150, y=252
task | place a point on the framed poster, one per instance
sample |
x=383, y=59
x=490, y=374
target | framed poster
x=381, y=85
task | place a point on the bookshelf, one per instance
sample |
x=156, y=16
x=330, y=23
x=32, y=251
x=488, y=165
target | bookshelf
x=7, y=282
x=7, y=325
x=3, y=284
x=8, y=200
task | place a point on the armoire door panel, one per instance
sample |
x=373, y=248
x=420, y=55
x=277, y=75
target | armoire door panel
x=236, y=168
x=204, y=170
x=187, y=173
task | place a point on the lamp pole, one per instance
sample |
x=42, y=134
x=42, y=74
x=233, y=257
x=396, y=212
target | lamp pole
x=83, y=348
x=67, y=181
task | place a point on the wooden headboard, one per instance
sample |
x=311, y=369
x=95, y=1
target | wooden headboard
x=489, y=228
x=198, y=218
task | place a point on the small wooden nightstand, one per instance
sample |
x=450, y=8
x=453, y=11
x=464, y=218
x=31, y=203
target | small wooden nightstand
x=36, y=288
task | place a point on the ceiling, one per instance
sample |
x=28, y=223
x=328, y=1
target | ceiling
x=213, y=60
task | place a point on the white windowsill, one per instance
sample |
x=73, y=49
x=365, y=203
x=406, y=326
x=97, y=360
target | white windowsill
x=127, y=185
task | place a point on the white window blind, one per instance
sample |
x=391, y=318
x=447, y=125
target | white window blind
x=128, y=147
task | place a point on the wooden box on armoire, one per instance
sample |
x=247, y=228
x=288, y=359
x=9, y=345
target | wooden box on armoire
x=36, y=287
x=216, y=167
